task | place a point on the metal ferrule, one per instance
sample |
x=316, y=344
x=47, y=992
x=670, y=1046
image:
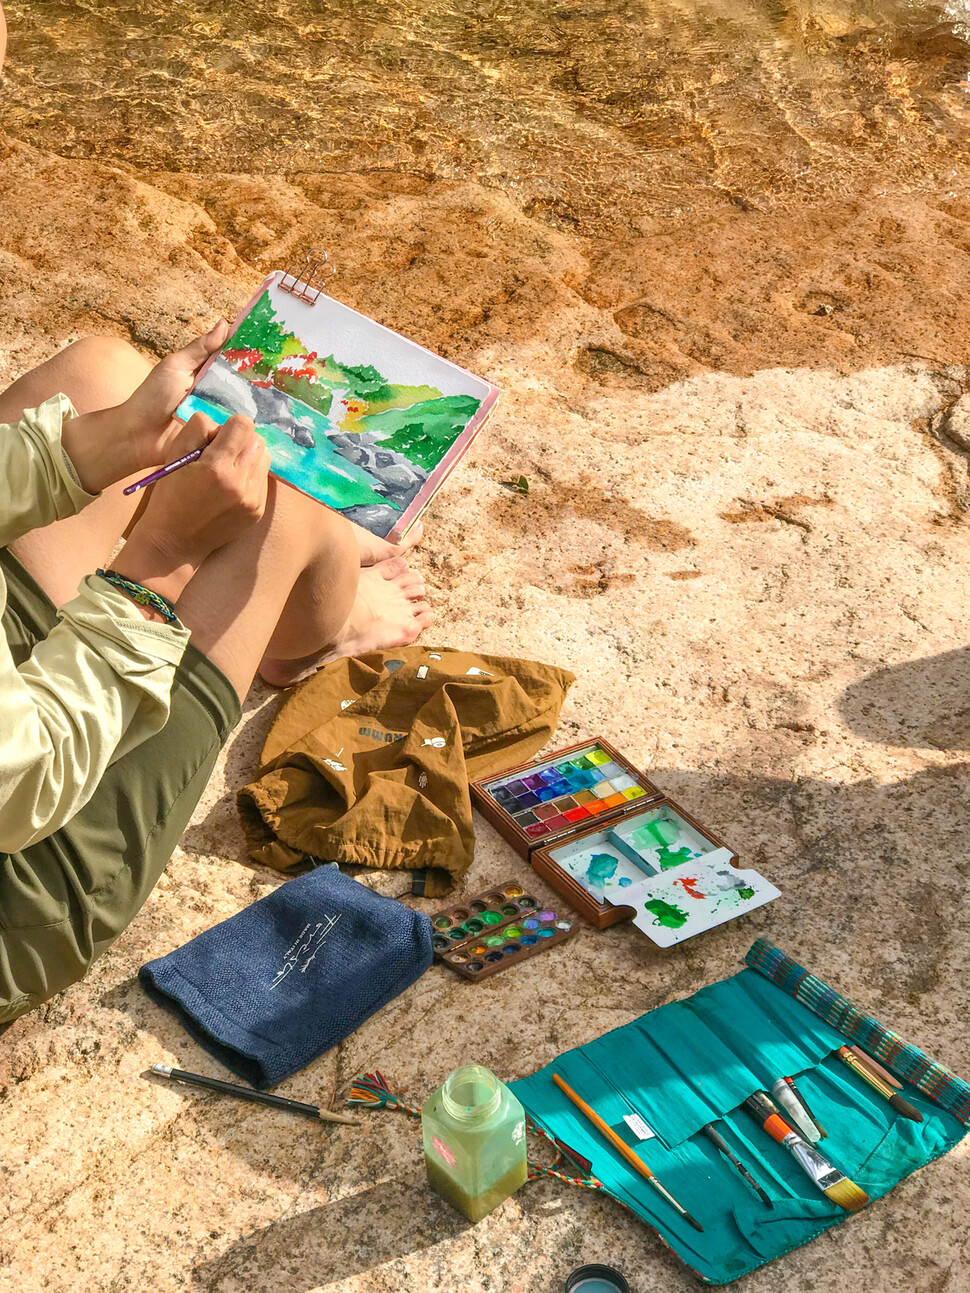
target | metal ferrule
x=814, y=1164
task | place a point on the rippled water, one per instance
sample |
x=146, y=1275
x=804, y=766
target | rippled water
x=583, y=106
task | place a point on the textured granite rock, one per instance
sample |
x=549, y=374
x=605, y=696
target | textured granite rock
x=744, y=429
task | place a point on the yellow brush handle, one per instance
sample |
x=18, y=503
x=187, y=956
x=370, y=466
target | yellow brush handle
x=607, y=1131
x=874, y=1080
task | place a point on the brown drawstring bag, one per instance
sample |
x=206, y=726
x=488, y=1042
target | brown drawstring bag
x=369, y=761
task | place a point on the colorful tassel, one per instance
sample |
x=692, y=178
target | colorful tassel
x=370, y=1091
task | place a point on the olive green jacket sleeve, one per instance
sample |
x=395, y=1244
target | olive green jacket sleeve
x=98, y=684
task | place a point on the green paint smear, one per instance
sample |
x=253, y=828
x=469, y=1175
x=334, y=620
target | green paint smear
x=672, y=857
x=424, y=432
x=666, y=914
x=745, y=893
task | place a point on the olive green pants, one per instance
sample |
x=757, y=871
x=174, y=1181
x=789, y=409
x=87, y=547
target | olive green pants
x=64, y=900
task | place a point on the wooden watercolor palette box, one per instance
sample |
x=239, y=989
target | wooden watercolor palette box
x=616, y=846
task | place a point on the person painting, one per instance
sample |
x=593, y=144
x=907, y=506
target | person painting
x=123, y=668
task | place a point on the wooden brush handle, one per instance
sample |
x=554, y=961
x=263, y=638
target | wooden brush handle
x=876, y=1067
x=619, y=1145
x=855, y=1064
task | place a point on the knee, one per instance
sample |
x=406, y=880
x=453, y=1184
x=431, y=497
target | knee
x=36, y=963
x=102, y=371
x=88, y=352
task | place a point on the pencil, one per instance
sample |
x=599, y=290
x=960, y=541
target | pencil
x=876, y=1067
x=255, y=1097
x=163, y=471
x=885, y=1090
x=622, y=1148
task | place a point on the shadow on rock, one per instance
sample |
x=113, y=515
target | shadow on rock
x=327, y=1245
x=921, y=703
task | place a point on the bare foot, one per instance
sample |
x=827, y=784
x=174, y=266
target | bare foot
x=390, y=611
x=373, y=549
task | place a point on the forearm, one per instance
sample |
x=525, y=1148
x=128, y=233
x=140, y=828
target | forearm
x=41, y=483
x=146, y=561
x=102, y=447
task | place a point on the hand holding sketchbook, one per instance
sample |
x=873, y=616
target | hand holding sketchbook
x=352, y=413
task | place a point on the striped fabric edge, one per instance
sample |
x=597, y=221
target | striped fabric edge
x=935, y=1080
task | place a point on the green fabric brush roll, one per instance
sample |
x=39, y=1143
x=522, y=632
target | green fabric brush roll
x=692, y=1062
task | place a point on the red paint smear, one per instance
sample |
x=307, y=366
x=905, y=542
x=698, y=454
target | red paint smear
x=243, y=359
x=689, y=881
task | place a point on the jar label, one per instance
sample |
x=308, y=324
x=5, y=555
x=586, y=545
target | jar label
x=441, y=1148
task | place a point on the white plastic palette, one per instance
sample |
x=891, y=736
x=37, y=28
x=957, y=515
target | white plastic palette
x=678, y=882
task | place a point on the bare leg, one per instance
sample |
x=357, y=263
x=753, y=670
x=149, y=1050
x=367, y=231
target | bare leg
x=283, y=598
x=286, y=590
x=95, y=373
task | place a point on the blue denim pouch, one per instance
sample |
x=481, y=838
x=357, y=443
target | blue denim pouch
x=276, y=986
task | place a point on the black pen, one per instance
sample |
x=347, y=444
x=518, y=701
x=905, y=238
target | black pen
x=248, y=1093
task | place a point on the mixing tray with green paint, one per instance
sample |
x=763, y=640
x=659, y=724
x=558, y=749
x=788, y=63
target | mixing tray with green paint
x=693, y=897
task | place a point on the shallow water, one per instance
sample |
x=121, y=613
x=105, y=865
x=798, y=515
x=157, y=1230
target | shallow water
x=580, y=108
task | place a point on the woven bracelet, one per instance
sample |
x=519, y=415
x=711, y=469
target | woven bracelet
x=143, y=596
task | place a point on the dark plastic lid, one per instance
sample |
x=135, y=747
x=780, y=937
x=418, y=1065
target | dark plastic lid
x=606, y=1273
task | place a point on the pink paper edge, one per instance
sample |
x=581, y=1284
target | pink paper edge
x=446, y=466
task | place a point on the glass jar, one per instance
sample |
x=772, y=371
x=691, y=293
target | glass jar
x=473, y=1129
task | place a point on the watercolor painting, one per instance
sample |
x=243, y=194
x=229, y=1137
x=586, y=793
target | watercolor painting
x=353, y=414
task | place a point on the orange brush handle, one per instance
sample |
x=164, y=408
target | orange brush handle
x=763, y=1109
x=777, y=1128
x=620, y=1146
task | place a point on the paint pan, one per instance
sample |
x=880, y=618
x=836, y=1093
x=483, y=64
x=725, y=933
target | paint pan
x=512, y=926
x=607, y=832
x=536, y=805
x=481, y=917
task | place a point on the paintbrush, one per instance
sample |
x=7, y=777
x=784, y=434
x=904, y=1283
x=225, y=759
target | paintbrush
x=875, y=1081
x=254, y=1097
x=164, y=471
x=835, y=1185
x=721, y=1145
x=876, y=1067
x=622, y=1148
x=805, y=1105
x=796, y=1111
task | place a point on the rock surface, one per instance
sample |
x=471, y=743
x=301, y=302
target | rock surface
x=746, y=532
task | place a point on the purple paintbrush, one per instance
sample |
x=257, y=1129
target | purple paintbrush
x=163, y=471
